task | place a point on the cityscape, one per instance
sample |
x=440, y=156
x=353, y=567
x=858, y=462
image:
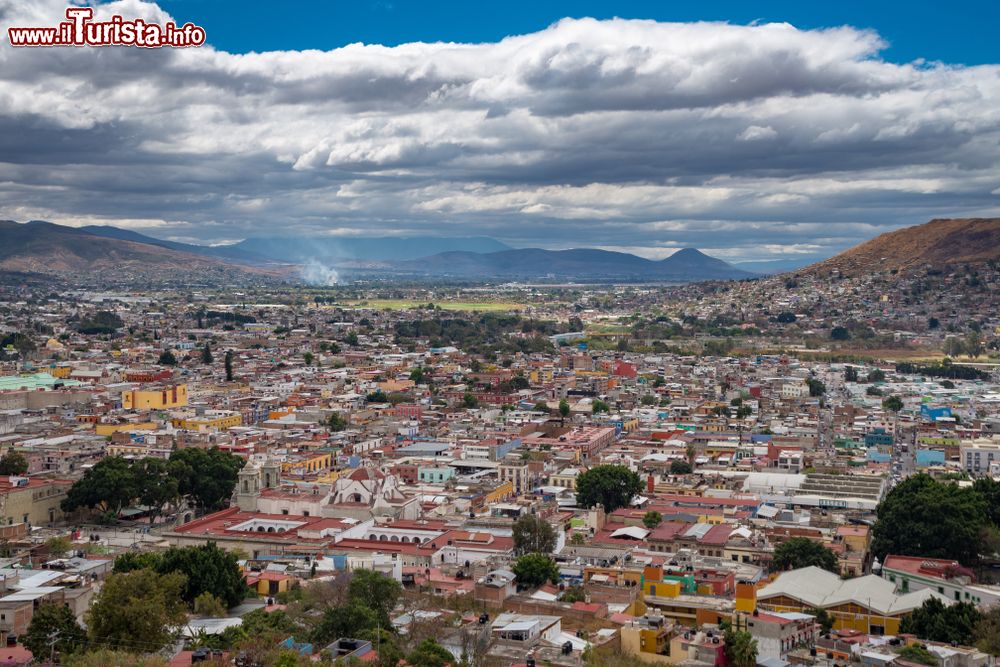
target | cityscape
x=395, y=387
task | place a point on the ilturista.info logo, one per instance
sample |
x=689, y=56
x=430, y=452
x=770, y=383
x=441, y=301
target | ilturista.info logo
x=80, y=29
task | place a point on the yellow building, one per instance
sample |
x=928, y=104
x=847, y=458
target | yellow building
x=308, y=465
x=155, y=399
x=867, y=604
x=210, y=421
x=108, y=429
x=502, y=492
x=34, y=501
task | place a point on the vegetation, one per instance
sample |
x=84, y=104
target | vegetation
x=533, y=535
x=13, y=463
x=802, y=552
x=942, y=370
x=205, y=476
x=741, y=648
x=924, y=517
x=137, y=610
x=206, y=569
x=167, y=358
x=938, y=622
x=535, y=570
x=54, y=620
x=918, y=654
x=680, y=467
x=652, y=519
x=609, y=485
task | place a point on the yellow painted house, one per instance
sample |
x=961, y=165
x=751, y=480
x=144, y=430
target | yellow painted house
x=108, y=429
x=155, y=399
x=209, y=421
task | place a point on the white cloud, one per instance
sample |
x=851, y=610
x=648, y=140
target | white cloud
x=603, y=133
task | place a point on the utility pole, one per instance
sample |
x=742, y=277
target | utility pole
x=53, y=637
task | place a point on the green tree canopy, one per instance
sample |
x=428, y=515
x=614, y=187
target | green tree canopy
x=54, y=620
x=430, y=654
x=802, y=552
x=13, y=463
x=610, y=485
x=375, y=591
x=680, y=467
x=926, y=518
x=167, y=358
x=893, y=404
x=533, y=535
x=206, y=476
x=939, y=622
x=535, y=570
x=110, y=484
x=741, y=648
x=652, y=519
x=206, y=569
x=140, y=609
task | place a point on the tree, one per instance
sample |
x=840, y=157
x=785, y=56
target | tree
x=563, y=408
x=850, y=374
x=741, y=648
x=933, y=323
x=206, y=476
x=156, y=486
x=229, y=365
x=206, y=569
x=599, y=406
x=109, y=485
x=206, y=355
x=351, y=339
x=430, y=654
x=376, y=592
x=925, y=518
x=989, y=490
x=103, y=657
x=610, y=485
x=987, y=631
x=167, y=358
x=307, y=358
x=58, y=546
x=652, y=519
x=336, y=422
x=54, y=620
x=13, y=463
x=939, y=622
x=840, y=333
x=417, y=375
x=470, y=401
x=136, y=560
x=578, y=540
x=824, y=618
x=877, y=375
x=785, y=318
x=137, y=609
x=800, y=552
x=533, y=535
x=893, y=404
x=973, y=344
x=541, y=406
x=348, y=620
x=209, y=606
x=536, y=569
x=680, y=467
x=816, y=388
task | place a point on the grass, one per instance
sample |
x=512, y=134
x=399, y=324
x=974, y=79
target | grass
x=405, y=304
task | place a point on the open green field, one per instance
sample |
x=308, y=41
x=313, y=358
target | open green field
x=404, y=304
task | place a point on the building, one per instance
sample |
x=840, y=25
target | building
x=946, y=577
x=155, y=399
x=978, y=454
x=867, y=604
x=33, y=501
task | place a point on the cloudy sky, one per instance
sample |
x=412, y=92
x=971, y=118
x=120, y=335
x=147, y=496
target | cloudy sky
x=748, y=139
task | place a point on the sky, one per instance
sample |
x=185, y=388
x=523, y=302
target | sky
x=781, y=131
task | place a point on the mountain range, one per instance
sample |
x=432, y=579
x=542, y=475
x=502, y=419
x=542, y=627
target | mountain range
x=42, y=248
x=46, y=248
